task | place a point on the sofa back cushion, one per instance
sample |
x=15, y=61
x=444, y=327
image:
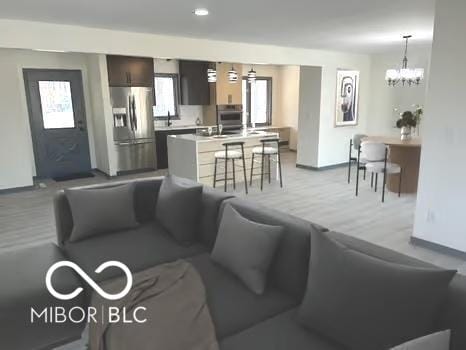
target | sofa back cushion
x=288, y=271
x=178, y=208
x=367, y=303
x=145, y=198
x=97, y=211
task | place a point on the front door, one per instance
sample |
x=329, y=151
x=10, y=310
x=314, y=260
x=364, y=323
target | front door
x=58, y=122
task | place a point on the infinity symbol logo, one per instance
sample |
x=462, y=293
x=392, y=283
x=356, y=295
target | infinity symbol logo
x=95, y=286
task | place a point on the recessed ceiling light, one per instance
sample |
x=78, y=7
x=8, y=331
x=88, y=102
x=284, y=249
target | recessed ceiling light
x=201, y=12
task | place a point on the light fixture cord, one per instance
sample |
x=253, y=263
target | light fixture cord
x=405, y=59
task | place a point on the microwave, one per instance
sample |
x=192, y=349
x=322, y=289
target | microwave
x=230, y=116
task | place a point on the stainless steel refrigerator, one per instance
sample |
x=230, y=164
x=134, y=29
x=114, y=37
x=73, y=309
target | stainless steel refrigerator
x=133, y=128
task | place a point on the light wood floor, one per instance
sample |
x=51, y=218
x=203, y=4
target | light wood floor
x=324, y=197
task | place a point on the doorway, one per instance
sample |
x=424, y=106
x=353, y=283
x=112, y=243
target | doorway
x=58, y=123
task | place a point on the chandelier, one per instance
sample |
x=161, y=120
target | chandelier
x=404, y=75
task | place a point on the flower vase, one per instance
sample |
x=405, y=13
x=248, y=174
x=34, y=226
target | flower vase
x=405, y=133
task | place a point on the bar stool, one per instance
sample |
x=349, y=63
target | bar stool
x=230, y=154
x=267, y=151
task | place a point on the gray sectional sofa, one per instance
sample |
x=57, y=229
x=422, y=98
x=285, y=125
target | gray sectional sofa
x=242, y=319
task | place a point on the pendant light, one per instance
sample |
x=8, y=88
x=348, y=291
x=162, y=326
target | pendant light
x=252, y=75
x=211, y=75
x=404, y=75
x=232, y=75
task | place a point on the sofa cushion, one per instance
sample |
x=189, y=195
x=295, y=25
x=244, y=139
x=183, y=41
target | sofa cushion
x=246, y=248
x=178, y=208
x=281, y=332
x=289, y=267
x=100, y=210
x=22, y=276
x=232, y=305
x=139, y=248
x=367, y=303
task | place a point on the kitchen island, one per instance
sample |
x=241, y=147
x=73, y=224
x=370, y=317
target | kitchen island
x=192, y=156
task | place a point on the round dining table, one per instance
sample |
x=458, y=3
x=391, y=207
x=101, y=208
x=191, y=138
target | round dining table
x=407, y=154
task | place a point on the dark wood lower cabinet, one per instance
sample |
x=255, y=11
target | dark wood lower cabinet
x=161, y=144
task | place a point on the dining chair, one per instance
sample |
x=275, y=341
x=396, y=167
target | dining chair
x=377, y=163
x=355, y=142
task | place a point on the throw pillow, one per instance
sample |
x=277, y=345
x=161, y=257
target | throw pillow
x=366, y=303
x=101, y=210
x=436, y=341
x=246, y=248
x=178, y=208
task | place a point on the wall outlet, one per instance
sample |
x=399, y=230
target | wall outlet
x=430, y=217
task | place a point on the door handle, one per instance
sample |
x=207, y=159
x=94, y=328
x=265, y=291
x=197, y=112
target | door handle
x=135, y=119
x=130, y=113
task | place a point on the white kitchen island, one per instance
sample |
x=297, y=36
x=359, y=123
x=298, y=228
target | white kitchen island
x=192, y=156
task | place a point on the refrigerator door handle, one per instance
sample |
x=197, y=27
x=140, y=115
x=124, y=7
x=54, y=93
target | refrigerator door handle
x=130, y=111
x=135, y=119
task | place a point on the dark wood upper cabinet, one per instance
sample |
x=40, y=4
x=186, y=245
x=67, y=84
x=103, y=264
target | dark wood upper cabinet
x=193, y=83
x=130, y=71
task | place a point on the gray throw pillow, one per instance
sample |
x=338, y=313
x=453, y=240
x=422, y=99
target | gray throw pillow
x=101, y=210
x=436, y=341
x=366, y=303
x=179, y=207
x=246, y=248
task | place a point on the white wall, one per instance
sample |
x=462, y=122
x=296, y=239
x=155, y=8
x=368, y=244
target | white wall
x=310, y=97
x=440, y=211
x=289, y=102
x=102, y=113
x=26, y=34
x=188, y=114
x=384, y=99
x=16, y=151
x=334, y=141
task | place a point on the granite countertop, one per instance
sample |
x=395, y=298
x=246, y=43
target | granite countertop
x=243, y=135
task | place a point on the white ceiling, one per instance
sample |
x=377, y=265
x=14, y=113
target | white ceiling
x=365, y=26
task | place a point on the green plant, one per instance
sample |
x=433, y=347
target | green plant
x=410, y=118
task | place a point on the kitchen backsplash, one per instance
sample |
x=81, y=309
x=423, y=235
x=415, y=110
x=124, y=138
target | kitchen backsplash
x=188, y=116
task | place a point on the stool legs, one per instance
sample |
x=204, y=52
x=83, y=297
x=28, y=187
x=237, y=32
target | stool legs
x=244, y=171
x=252, y=169
x=215, y=172
x=280, y=167
x=226, y=173
x=268, y=163
x=262, y=171
x=234, y=176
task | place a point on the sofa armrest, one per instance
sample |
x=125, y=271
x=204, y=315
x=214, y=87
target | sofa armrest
x=208, y=225
x=63, y=217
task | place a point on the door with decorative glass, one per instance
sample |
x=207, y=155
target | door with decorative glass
x=58, y=122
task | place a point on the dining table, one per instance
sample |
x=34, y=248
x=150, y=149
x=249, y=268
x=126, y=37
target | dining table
x=405, y=153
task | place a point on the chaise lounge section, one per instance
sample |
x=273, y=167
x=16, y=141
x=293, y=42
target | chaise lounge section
x=242, y=319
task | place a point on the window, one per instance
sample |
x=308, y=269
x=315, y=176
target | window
x=257, y=101
x=56, y=104
x=166, y=95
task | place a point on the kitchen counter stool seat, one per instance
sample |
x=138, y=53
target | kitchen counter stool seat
x=230, y=154
x=267, y=150
x=237, y=153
